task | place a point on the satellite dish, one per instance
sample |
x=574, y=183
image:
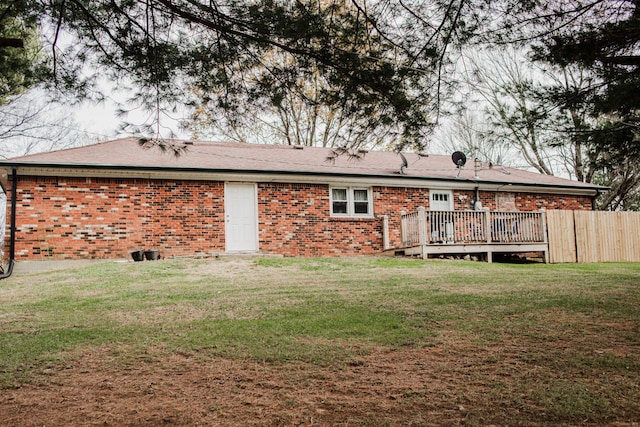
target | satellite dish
x=404, y=163
x=459, y=159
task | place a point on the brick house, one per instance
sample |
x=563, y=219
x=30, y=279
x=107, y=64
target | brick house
x=103, y=201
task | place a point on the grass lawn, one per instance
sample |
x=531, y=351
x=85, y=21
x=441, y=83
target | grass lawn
x=357, y=341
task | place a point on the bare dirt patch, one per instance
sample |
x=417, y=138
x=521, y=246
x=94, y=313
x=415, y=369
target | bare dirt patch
x=387, y=387
x=447, y=384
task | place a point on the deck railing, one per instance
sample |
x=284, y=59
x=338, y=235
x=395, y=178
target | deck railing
x=471, y=227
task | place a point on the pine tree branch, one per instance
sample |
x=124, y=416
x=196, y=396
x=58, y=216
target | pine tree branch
x=622, y=60
x=11, y=42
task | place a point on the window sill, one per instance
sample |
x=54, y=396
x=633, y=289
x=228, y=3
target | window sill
x=353, y=218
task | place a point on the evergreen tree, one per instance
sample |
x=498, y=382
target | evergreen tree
x=602, y=36
x=21, y=64
x=382, y=62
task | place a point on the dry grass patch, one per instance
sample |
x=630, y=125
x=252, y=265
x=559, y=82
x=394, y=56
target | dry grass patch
x=359, y=341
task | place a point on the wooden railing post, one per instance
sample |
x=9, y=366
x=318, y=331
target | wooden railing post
x=422, y=226
x=487, y=229
x=385, y=232
x=487, y=225
x=545, y=237
x=543, y=224
x=403, y=227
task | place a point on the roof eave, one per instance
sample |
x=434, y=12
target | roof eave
x=390, y=179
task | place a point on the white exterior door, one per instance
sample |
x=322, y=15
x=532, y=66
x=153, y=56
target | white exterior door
x=441, y=200
x=241, y=217
x=442, y=221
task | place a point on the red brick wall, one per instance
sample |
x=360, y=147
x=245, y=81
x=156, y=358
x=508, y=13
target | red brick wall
x=534, y=202
x=295, y=220
x=524, y=201
x=187, y=217
x=75, y=218
x=292, y=220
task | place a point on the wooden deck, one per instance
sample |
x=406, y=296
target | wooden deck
x=433, y=233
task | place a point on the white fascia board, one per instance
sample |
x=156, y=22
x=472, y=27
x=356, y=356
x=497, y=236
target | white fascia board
x=367, y=181
x=310, y=178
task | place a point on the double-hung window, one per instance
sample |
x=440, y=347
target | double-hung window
x=351, y=201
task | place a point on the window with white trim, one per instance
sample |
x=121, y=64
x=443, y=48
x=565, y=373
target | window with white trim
x=351, y=201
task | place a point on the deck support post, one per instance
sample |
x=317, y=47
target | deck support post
x=422, y=226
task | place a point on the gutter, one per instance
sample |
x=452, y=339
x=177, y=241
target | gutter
x=12, y=230
x=477, y=190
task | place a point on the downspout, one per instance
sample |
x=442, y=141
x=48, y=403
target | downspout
x=12, y=227
x=477, y=196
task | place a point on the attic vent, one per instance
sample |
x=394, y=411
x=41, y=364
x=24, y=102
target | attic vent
x=188, y=143
x=298, y=147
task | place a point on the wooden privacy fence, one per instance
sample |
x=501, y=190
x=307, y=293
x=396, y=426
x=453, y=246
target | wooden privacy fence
x=593, y=236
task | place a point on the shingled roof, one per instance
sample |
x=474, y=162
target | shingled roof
x=215, y=157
